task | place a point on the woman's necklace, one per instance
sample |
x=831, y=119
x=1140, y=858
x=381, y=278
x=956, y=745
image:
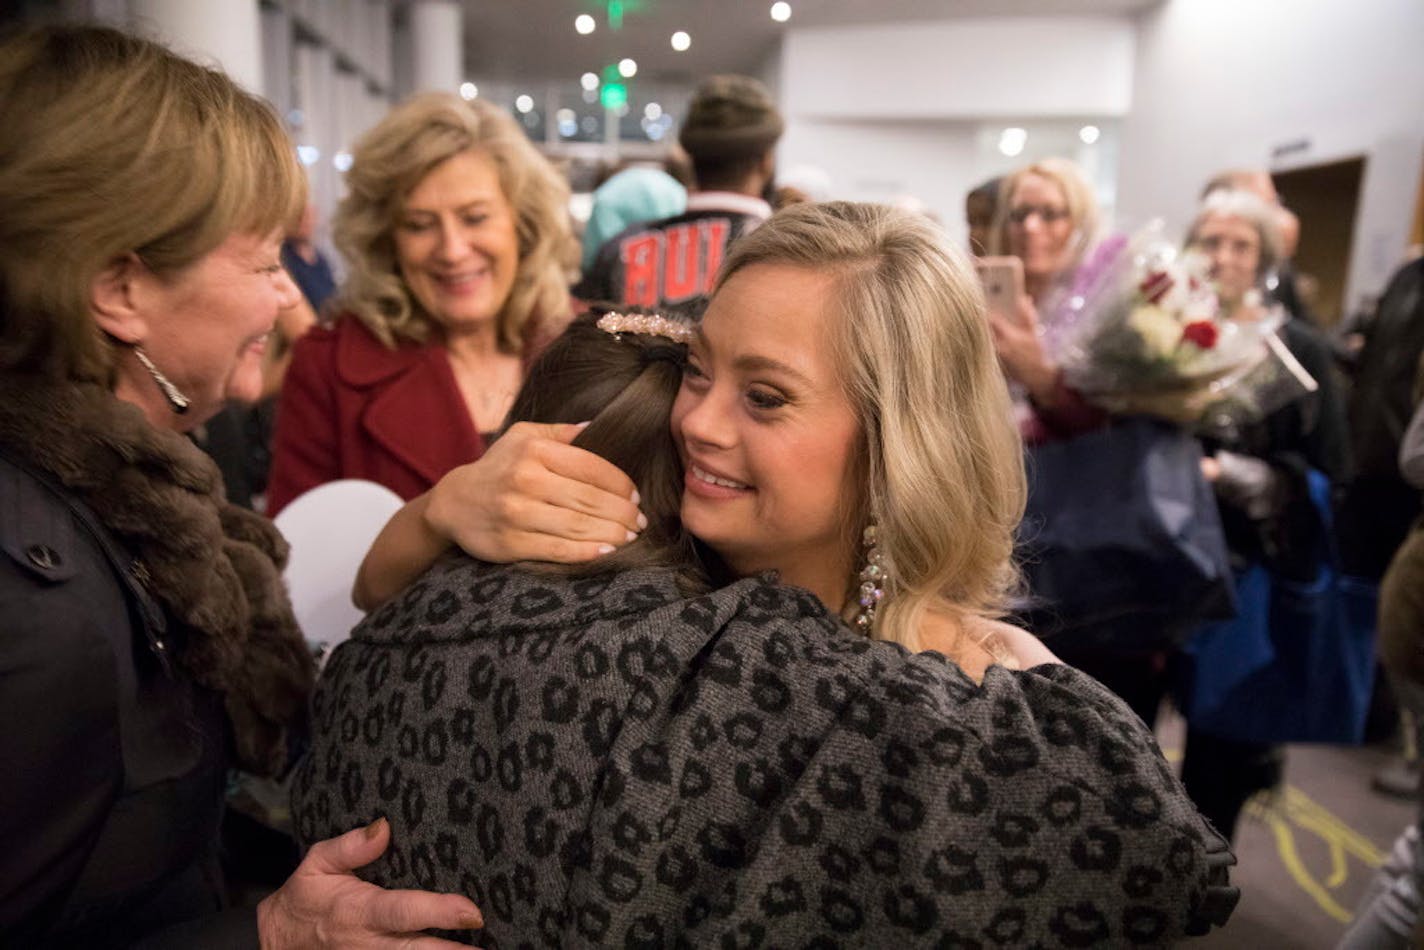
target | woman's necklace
x=489, y=394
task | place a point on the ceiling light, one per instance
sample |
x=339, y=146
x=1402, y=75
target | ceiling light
x=781, y=11
x=524, y=103
x=1089, y=134
x=1012, y=141
x=468, y=91
x=627, y=68
x=584, y=23
x=681, y=41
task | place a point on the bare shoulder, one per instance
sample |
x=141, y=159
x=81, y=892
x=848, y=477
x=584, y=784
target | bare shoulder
x=1011, y=646
x=976, y=643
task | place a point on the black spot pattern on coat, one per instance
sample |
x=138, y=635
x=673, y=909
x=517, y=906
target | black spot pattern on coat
x=603, y=762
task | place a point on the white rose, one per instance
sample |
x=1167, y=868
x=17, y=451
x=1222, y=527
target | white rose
x=1157, y=329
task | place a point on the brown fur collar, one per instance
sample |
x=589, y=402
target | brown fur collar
x=214, y=567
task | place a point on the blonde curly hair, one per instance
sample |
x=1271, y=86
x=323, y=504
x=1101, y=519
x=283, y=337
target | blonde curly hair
x=392, y=158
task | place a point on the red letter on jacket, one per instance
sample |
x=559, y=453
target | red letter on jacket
x=640, y=255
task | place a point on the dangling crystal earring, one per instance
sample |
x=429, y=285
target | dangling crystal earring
x=872, y=580
x=176, y=399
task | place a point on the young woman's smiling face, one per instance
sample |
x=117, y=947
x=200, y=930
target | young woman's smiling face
x=766, y=432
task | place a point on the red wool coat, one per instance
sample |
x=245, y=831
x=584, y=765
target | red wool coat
x=350, y=408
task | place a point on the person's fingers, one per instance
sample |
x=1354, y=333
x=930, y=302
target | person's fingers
x=560, y=432
x=553, y=519
x=534, y=546
x=581, y=465
x=563, y=551
x=404, y=912
x=581, y=499
x=536, y=482
x=345, y=853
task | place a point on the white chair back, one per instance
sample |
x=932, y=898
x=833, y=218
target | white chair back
x=330, y=529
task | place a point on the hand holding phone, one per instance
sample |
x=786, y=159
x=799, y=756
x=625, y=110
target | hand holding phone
x=1003, y=282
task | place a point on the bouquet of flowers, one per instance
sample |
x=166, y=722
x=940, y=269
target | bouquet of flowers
x=1142, y=332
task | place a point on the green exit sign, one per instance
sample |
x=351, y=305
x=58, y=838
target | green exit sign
x=614, y=95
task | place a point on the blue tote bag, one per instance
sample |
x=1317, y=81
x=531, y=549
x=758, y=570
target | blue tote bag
x=1296, y=665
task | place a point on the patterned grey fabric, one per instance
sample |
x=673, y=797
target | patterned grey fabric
x=603, y=762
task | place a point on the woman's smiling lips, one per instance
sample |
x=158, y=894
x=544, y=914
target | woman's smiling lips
x=710, y=484
x=462, y=283
x=257, y=344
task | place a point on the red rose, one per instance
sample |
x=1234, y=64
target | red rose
x=1155, y=286
x=1201, y=332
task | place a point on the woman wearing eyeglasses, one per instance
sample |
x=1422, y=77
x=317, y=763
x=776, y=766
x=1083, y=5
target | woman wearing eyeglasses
x=1048, y=219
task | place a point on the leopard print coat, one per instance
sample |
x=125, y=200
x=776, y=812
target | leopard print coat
x=606, y=762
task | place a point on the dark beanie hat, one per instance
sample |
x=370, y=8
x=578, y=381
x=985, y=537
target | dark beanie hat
x=730, y=117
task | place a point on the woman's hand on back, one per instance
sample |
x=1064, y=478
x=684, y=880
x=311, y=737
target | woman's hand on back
x=531, y=497
x=324, y=904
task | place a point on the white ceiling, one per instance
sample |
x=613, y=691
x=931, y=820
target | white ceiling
x=535, y=39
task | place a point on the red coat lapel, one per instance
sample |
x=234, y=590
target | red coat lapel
x=414, y=410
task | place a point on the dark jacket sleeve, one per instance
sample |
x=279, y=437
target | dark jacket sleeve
x=1317, y=434
x=305, y=451
x=232, y=929
x=1309, y=434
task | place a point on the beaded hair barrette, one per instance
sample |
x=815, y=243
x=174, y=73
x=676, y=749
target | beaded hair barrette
x=648, y=324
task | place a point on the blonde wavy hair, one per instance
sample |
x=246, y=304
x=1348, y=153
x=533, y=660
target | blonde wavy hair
x=113, y=145
x=393, y=157
x=1078, y=198
x=940, y=467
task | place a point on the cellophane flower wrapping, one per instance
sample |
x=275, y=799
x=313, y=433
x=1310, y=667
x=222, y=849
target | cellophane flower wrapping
x=1141, y=331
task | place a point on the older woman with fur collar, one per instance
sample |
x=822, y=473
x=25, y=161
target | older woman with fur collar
x=147, y=640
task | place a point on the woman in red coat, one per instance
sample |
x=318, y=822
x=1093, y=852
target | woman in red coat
x=456, y=234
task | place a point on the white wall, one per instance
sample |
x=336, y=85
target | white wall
x=1221, y=83
x=889, y=161
x=226, y=34
x=963, y=68
x=914, y=110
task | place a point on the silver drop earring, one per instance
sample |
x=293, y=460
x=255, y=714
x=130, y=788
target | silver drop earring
x=873, y=580
x=176, y=399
